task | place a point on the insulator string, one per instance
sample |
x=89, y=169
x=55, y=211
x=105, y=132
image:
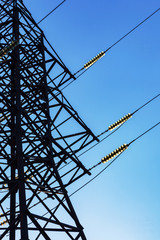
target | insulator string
x=122, y=148
x=114, y=153
x=94, y=60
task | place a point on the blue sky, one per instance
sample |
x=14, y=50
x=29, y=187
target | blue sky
x=122, y=203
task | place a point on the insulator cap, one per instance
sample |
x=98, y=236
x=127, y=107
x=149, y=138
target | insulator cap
x=119, y=122
x=7, y=49
x=93, y=60
x=114, y=153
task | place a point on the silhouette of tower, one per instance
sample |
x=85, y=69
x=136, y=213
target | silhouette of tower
x=40, y=134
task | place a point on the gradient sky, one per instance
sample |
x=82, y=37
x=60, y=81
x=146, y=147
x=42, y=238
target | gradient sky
x=124, y=201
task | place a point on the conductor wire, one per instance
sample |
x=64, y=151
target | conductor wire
x=138, y=109
x=98, y=174
x=111, y=161
x=133, y=29
x=81, y=72
x=144, y=133
x=51, y=12
x=114, y=44
x=146, y=104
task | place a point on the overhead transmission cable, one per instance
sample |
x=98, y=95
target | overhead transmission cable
x=51, y=12
x=115, y=154
x=86, y=66
x=120, y=150
x=115, y=126
x=102, y=53
x=89, y=64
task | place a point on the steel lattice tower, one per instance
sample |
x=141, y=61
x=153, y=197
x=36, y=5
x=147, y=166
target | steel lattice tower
x=40, y=133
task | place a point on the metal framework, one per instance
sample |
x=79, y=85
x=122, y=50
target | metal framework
x=40, y=133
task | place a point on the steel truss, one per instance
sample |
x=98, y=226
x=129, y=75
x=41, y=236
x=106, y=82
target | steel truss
x=40, y=133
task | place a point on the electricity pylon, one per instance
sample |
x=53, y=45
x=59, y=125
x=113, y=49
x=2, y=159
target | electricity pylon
x=40, y=133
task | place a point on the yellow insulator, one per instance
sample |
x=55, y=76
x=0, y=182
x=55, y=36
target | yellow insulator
x=114, y=153
x=4, y=117
x=7, y=49
x=119, y=122
x=4, y=222
x=93, y=60
x=30, y=178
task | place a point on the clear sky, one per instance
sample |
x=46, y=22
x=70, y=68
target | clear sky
x=123, y=202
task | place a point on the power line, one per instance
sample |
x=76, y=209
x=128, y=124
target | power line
x=138, y=109
x=51, y=12
x=91, y=180
x=144, y=133
x=114, y=44
x=145, y=104
x=132, y=30
x=100, y=140
x=105, y=52
x=95, y=59
x=111, y=161
x=93, y=146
